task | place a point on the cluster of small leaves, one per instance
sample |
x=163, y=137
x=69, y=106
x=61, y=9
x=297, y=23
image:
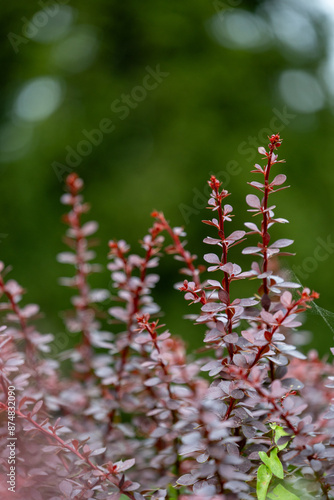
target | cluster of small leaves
x=140, y=418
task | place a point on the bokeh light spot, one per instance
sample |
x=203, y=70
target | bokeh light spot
x=78, y=50
x=50, y=24
x=15, y=141
x=301, y=91
x=240, y=29
x=292, y=28
x=38, y=99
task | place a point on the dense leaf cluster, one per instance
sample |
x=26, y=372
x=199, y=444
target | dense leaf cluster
x=140, y=418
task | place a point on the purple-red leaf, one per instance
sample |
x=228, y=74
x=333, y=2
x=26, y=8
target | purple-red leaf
x=223, y=296
x=66, y=488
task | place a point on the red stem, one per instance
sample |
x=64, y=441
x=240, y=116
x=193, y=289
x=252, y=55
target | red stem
x=265, y=234
x=225, y=281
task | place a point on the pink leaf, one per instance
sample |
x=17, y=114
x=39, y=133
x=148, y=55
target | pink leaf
x=29, y=310
x=123, y=466
x=280, y=220
x=267, y=317
x=236, y=269
x=186, y=480
x=213, y=307
x=212, y=241
x=248, y=336
x=247, y=302
x=98, y=451
x=223, y=296
x=211, y=258
x=152, y=381
x=214, y=284
x=227, y=268
x=286, y=299
x=142, y=339
x=252, y=226
x=251, y=250
x=66, y=488
x=256, y=184
x=89, y=228
x=281, y=243
x=164, y=336
x=236, y=235
x=66, y=258
x=240, y=360
x=119, y=313
x=279, y=179
x=277, y=391
x=212, y=335
x=232, y=338
x=36, y=408
x=253, y=201
x=258, y=167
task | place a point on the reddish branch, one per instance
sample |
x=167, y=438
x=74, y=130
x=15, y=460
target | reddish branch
x=73, y=219
x=178, y=248
x=274, y=143
x=295, y=307
x=152, y=248
x=219, y=196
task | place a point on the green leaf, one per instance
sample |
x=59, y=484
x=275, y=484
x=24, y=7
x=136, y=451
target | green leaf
x=280, y=493
x=263, y=480
x=173, y=493
x=278, y=433
x=273, y=462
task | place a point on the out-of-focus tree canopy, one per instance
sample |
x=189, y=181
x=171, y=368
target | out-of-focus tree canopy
x=145, y=100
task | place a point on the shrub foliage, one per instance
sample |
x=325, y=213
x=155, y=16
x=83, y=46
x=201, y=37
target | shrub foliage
x=138, y=417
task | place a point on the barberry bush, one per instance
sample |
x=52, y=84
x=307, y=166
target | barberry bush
x=138, y=417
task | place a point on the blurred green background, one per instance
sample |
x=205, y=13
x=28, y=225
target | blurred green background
x=181, y=90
